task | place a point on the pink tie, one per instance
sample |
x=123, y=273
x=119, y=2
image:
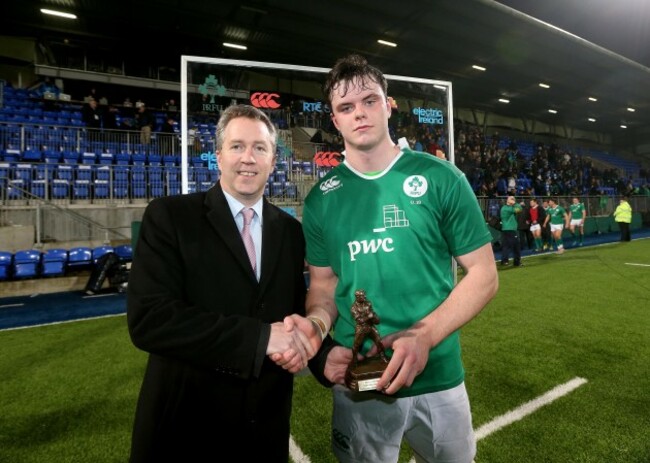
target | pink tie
x=248, y=214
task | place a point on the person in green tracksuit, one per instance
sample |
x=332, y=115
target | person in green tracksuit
x=623, y=216
x=558, y=218
x=509, y=238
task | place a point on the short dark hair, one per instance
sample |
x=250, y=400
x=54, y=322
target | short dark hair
x=352, y=69
x=247, y=111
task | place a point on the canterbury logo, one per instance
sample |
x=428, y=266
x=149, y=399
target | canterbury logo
x=328, y=158
x=329, y=185
x=340, y=440
x=265, y=100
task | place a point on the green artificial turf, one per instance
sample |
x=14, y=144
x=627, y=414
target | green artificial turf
x=68, y=391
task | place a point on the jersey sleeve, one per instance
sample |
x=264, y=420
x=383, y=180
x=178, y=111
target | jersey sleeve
x=313, y=229
x=465, y=228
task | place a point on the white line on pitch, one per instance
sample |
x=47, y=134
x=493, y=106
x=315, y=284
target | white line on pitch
x=98, y=295
x=638, y=265
x=296, y=454
x=526, y=409
x=63, y=322
x=11, y=305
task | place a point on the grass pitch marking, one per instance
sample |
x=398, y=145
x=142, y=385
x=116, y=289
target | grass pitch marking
x=296, y=454
x=6, y=306
x=529, y=407
x=526, y=409
x=638, y=265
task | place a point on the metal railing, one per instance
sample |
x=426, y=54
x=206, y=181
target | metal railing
x=596, y=206
x=53, y=222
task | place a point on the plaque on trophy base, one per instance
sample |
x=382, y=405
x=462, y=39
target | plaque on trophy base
x=363, y=375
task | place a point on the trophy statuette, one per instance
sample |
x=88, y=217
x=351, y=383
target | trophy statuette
x=363, y=375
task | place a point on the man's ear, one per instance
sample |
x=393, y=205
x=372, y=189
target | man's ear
x=334, y=121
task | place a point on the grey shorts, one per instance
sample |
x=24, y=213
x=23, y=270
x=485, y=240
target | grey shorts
x=368, y=427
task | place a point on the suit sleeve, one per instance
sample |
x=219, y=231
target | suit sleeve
x=161, y=319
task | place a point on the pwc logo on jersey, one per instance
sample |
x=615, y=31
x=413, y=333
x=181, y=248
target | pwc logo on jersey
x=330, y=184
x=393, y=217
x=415, y=186
x=265, y=100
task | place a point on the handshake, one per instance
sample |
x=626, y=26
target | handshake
x=296, y=340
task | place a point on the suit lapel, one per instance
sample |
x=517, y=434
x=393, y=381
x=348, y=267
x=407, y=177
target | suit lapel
x=272, y=236
x=221, y=219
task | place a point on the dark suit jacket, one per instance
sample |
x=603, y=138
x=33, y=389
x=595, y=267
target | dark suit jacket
x=194, y=304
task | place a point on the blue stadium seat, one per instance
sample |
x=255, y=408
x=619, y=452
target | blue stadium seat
x=26, y=263
x=11, y=155
x=64, y=172
x=139, y=159
x=101, y=189
x=38, y=188
x=121, y=174
x=276, y=189
x=23, y=172
x=15, y=189
x=291, y=190
x=84, y=172
x=60, y=189
x=170, y=160
x=138, y=174
x=120, y=189
x=81, y=189
x=106, y=158
x=5, y=265
x=53, y=262
x=201, y=174
x=123, y=159
x=124, y=252
x=139, y=189
x=154, y=160
x=43, y=172
x=173, y=188
x=103, y=173
x=5, y=170
x=31, y=155
x=79, y=258
x=51, y=156
x=88, y=158
x=70, y=157
x=99, y=251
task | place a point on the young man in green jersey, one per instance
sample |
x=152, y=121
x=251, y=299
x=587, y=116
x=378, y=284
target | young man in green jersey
x=389, y=221
x=558, y=218
x=578, y=216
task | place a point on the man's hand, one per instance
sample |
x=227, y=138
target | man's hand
x=307, y=339
x=410, y=355
x=308, y=332
x=288, y=348
x=337, y=363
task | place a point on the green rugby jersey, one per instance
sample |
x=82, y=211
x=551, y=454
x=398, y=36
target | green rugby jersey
x=576, y=210
x=557, y=215
x=394, y=234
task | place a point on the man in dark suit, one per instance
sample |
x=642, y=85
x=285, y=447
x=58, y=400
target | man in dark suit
x=209, y=311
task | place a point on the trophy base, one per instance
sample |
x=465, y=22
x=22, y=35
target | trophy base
x=365, y=375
